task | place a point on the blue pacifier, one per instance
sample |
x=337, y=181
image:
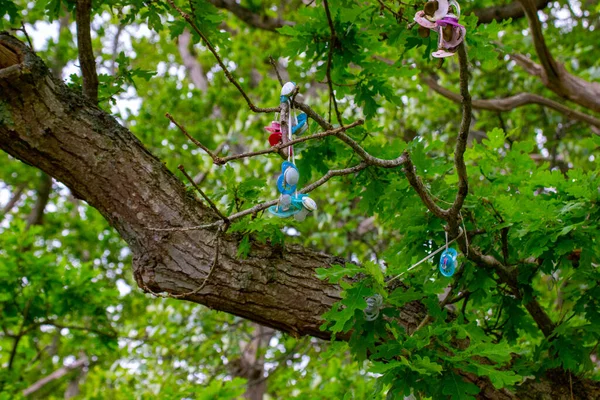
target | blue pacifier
x=282, y=210
x=448, y=262
x=288, y=180
x=301, y=124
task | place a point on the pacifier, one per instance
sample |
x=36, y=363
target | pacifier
x=448, y=262
x=287, y=181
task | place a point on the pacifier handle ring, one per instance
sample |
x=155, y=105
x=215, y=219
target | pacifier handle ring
x=456, y=7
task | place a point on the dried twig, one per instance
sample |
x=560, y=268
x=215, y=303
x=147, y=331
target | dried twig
x=27, y=36
x=196, y=142
x=274, y=64
x=224, y=160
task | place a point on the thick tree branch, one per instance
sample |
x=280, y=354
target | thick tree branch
x=553, y=74
x=87, y=61
x=504, y=12
x=192, y=65
x=512, y=102
x=43, y=196
x=548, y=62
x=59, y=373
x=256, y=20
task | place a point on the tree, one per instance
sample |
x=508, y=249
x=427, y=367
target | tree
x=517, y=320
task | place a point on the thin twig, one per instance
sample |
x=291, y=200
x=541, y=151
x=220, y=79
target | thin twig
x=398, y=15
x=332, y=43
x=192, y=228
x=196, y=142
x=331, y=173
x=27, y=36
x=276, y=148
x=224, y=160
x=210, y=202
x=273, y=63
x=228, y=74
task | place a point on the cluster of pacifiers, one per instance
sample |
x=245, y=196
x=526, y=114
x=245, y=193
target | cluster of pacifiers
x=290, y=202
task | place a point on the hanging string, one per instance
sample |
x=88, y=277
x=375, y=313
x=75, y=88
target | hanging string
x=289, y=133
x=291, y=148
x=445, y=247
x=466, y=236
x=291, y=151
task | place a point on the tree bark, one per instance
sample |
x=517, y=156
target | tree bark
x=87, y=61
x=45, y=124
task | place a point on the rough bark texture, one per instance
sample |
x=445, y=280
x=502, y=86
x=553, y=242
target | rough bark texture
x=87, y=61
x=45, y=124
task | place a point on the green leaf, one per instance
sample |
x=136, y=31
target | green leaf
x=343, y=311
x=337, y=272
x=455, y=387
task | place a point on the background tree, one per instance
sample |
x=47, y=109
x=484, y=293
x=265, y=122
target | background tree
x=511, y=176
